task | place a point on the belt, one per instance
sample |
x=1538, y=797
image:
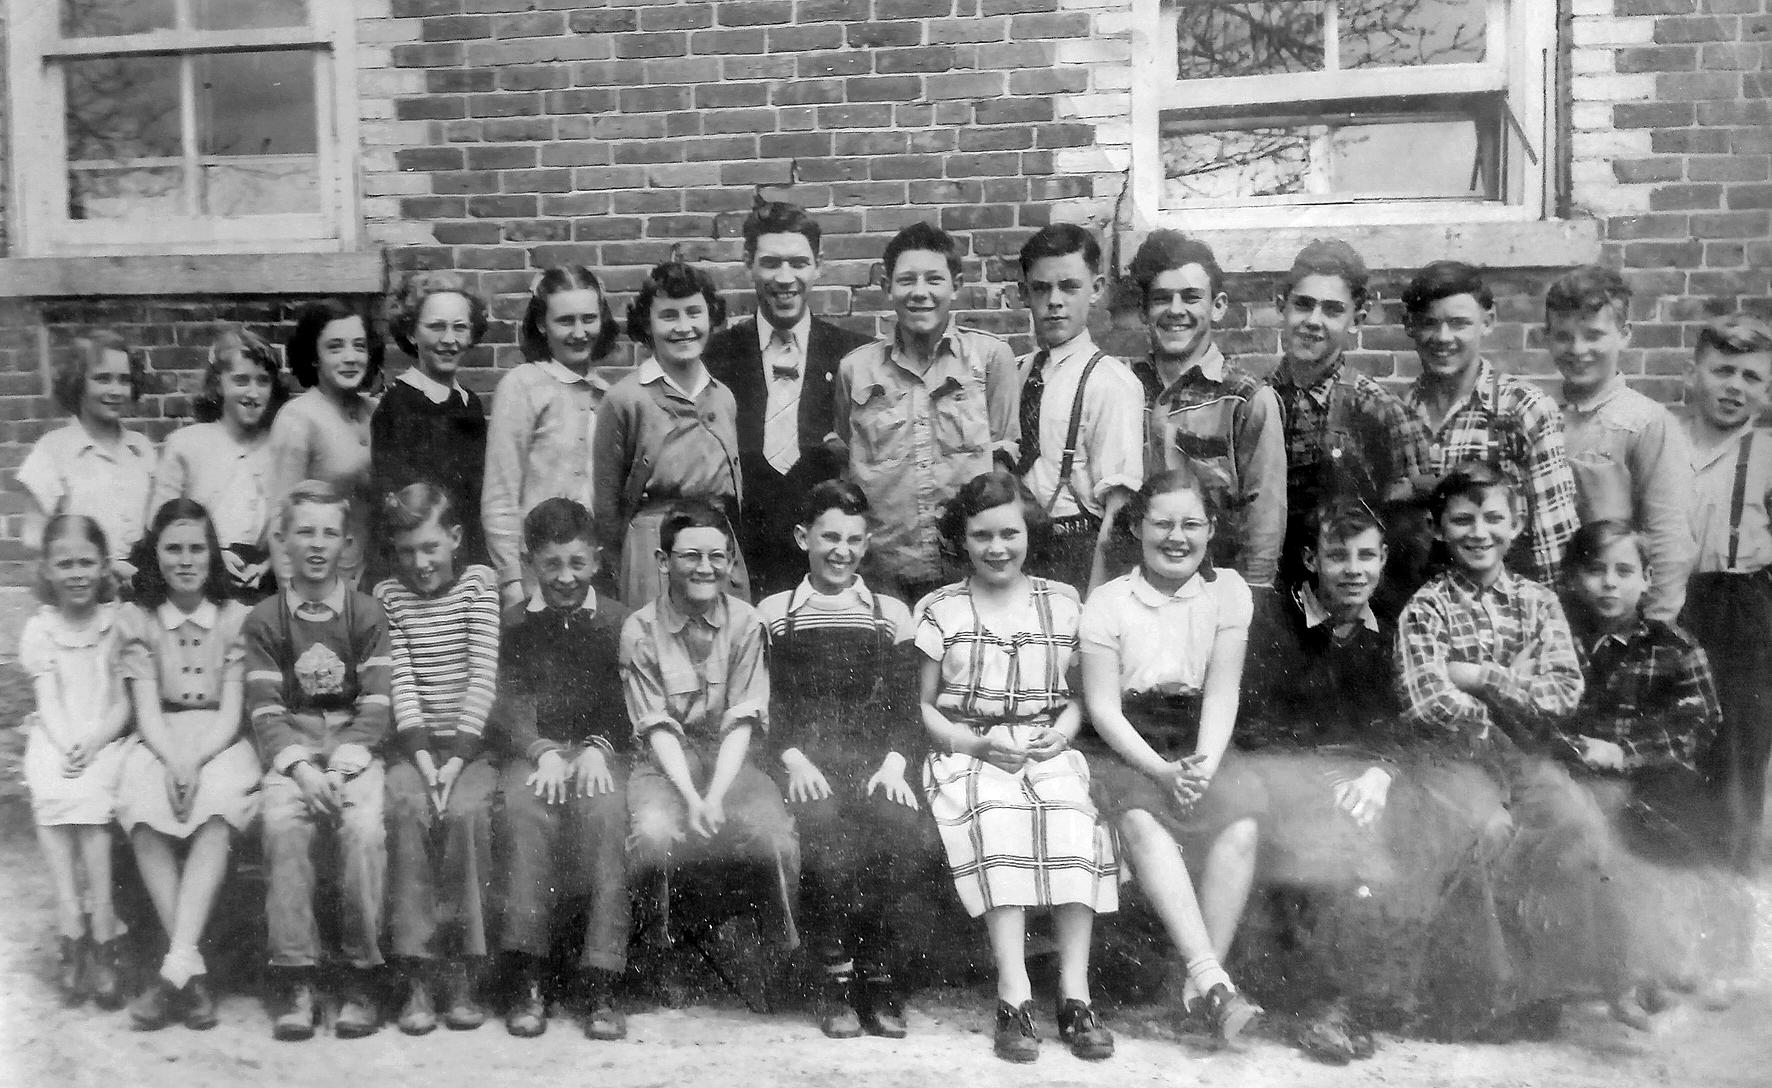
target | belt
x=1075, y=525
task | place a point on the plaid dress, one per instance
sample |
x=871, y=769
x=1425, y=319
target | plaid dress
x=1031, y=838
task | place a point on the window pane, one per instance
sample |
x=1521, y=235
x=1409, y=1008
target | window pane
x=257, y=133
x=123, y=138
x=1215, y=38
x=247, y=14
x=104, y=18
x=1387, y=34
x=1342, y=159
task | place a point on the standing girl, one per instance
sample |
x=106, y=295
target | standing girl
x=1162, y=660
x=324, y=433
x=668, y=431
x=190, y=776
x=1010, y=797
x=72, y=758
x=443, y=627
x=93, y=466
x=223, y=462
x=538, y=445
x=427, y=427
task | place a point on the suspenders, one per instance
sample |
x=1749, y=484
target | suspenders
x=1739, y=498
x=1069, y=459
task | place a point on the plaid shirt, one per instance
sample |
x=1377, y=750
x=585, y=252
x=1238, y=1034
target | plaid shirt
x=1347, y=425
x=1453, y=620
x=1650, y=692
x=1510, y=424
x=990, y=676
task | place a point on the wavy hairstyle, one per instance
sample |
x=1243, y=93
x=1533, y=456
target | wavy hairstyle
x=68, y=380
x=231, y=342
x=150, y=581
x=405, y=306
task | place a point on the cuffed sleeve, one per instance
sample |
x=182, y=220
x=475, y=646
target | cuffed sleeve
x=1261, y=470
x=1661, y=475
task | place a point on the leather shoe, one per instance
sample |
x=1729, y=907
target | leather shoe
x=528, y=1015
x=1229, y=1012
x=152, y=1009
x=460, y=1011
x=1016, y=1040
x=199, y=1004
x=101, y=974
x=70, y=976
x=292, y=1019
x=1082, y=1030
x=356, y=1013
x=418, y=1016
x=836, y=1005
x=881, y=1012
x=604, y=1022
x=1627, y=1010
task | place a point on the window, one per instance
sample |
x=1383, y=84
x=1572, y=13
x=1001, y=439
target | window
x=182, y=125
x=1342, y=111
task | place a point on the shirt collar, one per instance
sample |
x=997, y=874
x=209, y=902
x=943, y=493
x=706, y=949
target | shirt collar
x=435, y=391
x=1504, y=587
x=1623, y=638
x=1319, y=389
x=1704, y=456
x=565, y=375
x=538, y=603
x=674, y=620
x=129, y=440
x=652, y=371
x=805, y=592
x=801, y=330
x=1479, y=394
x=172, y=619
x=950, y=346
x=334, y=600
x=1316, y=615
x=1080, y=346
x=1210, y=364
x=1607, y=393
x=1145, y=593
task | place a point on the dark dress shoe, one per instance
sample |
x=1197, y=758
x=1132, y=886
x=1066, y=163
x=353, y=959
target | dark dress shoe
x=461, y=1012
x=881, y=1012
x=154, y=1007
x=1016, y=1040
x=1229, y=1012
x=1081, y=1030
x=101, y=974
x=70, y=976
x=292, y=1015
x=418, y=1016
x=199, y=1004
x=528, y=1015
x=356, y=1013
x=836, y=1006
x=604, y=1022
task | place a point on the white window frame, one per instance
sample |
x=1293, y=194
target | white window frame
x=39, y=225
x=1521, y=65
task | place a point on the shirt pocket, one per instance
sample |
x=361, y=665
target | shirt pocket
x=1602, y=485
x=959, y=420
x=878, y=425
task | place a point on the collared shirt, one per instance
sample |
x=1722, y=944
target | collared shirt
x=1649, y=691
x=666, y=685
x=445, y=651
x=560, y=680
x=1316, y=615
x=538, y=446
x=190, y=656
x=1109, y=451
x=915, y=439
x=231, y=479
x=327, y=607
x=68, y=472
x=1303, y=686
x=318, y=688
x=652, y=371
x=781, y=415
x=79, y=660
x=1164, y=641
x=1346, y=424
x=657, y=441
x=1020, y=671
x=1713, y=495
x=1225, y=425
x=1452, y=620
x=1632, y=465
x=435, y=391
x=1511, y=424
x=842, y=670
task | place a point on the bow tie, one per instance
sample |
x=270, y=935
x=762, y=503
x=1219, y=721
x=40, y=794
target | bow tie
x=785, y=370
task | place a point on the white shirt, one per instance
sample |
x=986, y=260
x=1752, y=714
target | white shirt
x=435, y=391
x=652, y=370
x=781, y=413
x=1110, y=437
x=1164, y=640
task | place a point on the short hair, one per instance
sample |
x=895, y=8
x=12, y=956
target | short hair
x=1061, y=240
x=1471, y=480
x=1180, y=478
x=922, y=236
x=303, y=348
x=1591, y=541
x=1444, y=279
x=1165, y=251
x=405, y=306
x=558, y=521
x=312, y=493
x=68, y=381
x=533, y=340
x=987, y=491
x=414, y=505
x=231, y=341
x=686, y=514
x=1735, y=334
x=149, y=583
x=1340, y=518
x=778, y=217
x=1332, y=257
x=672, y=279
x=839, y=495
x=87, y=529
x=1586, y=291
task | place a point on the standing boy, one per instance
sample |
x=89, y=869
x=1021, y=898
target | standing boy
x=562, y=818
x=1729, y=601
x=318, y=677
x=1081, y=409
x=1473, y=412
x=922, y=411
x=1345, y=433
x=696, y=690
x=1204, y=411
x=842, y=676
x=781, y=366
x=1628, y=454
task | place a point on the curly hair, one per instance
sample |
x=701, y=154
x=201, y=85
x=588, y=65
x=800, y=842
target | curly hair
x=1332, y=257
x=558, y=521
x=778, y=217
x=149, y=582
x=987, y=491
x=1165, y=251
x=1179, y=478
x=303, y=348
x=1586, y=291
x=231, y=342
x=687, y=514
x=87, y=529
x=413, y=506
x=405, y=306
x=68, y=383
x=533, y=339
x=672, y=279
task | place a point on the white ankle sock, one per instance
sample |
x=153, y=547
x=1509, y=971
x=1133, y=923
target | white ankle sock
x=182, y=962
x=1205, y=973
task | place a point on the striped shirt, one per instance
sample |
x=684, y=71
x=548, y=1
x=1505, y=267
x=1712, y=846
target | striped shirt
x=992, y=675
x=445, y=651
x=317, y=678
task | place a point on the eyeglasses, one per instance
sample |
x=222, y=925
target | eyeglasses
x=717, y=560
x=1167, y=526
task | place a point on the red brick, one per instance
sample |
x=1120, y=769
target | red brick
x=720, y=148
x=1656, y=58
x=1697, y=86
x=820, y=11
x=955, y=31
x=1731, y=225
x=454, y=28
x=458, y=80
x=637, y=253
x=604, y=21
x=538, y=181
x=431, y=108
x=608, y=177
x=645, y=202
x=410, y=9
x=605, y=228
x=1734, y=113
x=704, y=199
x=429, y=55
x=655, y=99
x=755, y=12
x=1066, y=25
x=1653, y=115
x=801, y=92
x=1679, y=255
x=1680, y=141
x=882, y=35
x=1655, y=7
x=986, y=165
x=512, y=206
x=529, y=24
x=922, y=58
x=574, y=149
x=887, y=142
x=905, y=167
x=646, y=151
x=1065, y=135
x=757, y=67
x=1682, y=197
x=428, y=158
x=847, y=63
x=795, y=145
x=506, y=104
x=537, y=230
x=946, y=192
x=1660, y=168
x=517, y=129
x=569, y=205
x=1049, y=81
x=1749, y=196
x=1006, y=190
x=1713, y=57
x=697, y=17
x=464, y=182
x=831, y=169
x=532, y=77
x=662, y=44
x=1014, y=111
x=608, y=73
x=954, y=85
x=864, y=116
x=883, y=88
x=1015, y=7
x=679, y=226
x=552, y=256
x=752, y=120
x=933, y=141
x=453, y=234
x=723, y=95
x=977, y=217
x=1632, y=227
x=583, y=100
x=801, y=39
x=1698, y=28
x=997, y=138
x=1727, y=167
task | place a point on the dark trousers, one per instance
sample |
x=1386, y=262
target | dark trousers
x=439, y=889
x=1731, y=616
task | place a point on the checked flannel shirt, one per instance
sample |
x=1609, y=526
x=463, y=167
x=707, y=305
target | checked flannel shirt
x=1371, y=436
x=1649, y=691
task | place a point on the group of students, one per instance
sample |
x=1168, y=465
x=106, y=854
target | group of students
x=1057, y=565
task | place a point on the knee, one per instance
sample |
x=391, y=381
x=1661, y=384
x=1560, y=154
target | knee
x=285, y=831
x=362, y=828
x=1139, y=831
x=653, y=836
x=1238, y=840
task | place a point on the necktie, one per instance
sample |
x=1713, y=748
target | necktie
x=1032, y=392
x=781, y=431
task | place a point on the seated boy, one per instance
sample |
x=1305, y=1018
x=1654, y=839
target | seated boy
x=696, y=690
x=843, y=670
x=318, y=677
x=1628, y=454
x=561, y=823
